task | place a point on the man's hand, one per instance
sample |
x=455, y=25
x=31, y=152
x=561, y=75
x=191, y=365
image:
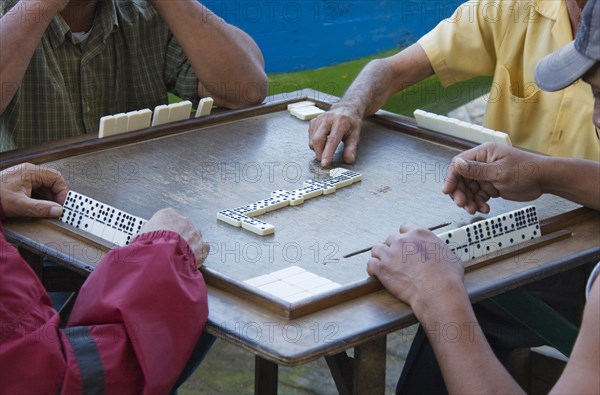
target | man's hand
x=17, y=184
x=415, y=266
x=490, y=171
x=325, y=133
x=169, y=219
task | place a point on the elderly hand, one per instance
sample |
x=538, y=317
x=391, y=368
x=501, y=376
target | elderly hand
x=17, y=184
x=492, y=170
x=169, y=219
x=325, y=133
x=415, y=266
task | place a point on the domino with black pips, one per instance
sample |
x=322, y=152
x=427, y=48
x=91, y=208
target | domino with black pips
x=341, y=181
x=328, y=189
x=311, y=192
x=257, y=226
x=493, y=234
x=296, y=197
x=100, y=219
x=340, y=171
x=251, y=210
x=231, y=217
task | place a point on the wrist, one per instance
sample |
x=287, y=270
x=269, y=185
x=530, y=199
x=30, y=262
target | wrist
x=349, y=109
x=434, y=302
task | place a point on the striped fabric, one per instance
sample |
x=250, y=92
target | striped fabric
x=129, y=62
x=88, y=359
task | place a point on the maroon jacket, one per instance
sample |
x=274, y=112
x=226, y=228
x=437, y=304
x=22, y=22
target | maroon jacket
x=133, y=327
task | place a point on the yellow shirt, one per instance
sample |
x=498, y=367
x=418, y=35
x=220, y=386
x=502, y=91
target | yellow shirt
x=506, y=39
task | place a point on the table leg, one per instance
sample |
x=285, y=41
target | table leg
x=363, y=374
x=265, y=376
x=369, y=367
x=341, y=367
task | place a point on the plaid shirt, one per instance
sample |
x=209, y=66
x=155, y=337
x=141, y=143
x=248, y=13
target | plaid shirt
x=129, y=62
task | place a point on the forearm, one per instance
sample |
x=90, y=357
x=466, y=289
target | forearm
x=382, y=78
x=226, y=60
x=575, y=179
x=21, y=30
x=467, y=362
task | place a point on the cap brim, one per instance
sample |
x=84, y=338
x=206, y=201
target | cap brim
x=561, y=68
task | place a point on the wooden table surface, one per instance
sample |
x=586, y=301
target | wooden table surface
x=230, y=160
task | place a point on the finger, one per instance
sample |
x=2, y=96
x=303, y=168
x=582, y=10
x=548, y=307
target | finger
x=373, y=267
x=477, y=170
x=392, y=239
x=408, y=227
x=489, y=188
x=377, y=250
x=319, y=137
x=39, y=208
x=452, y=180
x=333, y=141
x=351, y=145
x=204, y=251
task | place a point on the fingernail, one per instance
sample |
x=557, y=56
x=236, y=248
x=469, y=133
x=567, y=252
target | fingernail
x=55, y=211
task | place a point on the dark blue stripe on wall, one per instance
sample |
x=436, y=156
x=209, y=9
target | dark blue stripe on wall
x=88, y=358
x=308, y=34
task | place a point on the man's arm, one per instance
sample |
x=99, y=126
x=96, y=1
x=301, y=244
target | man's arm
x=224, y=58
x=417, y=268
x=375, y=84
x=21, y=30
x=491, y=170
x=582, y=373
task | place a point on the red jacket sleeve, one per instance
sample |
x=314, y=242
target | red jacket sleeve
x=31, y=354
x=154, y=290
x=134, y=325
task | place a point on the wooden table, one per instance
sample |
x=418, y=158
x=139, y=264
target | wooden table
x=232, y=159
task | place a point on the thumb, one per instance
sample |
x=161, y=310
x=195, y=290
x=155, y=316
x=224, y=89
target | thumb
x=350, y=149
x=41, y=208
x=479, y=171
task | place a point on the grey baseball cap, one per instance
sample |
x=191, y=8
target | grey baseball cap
x=568, y=64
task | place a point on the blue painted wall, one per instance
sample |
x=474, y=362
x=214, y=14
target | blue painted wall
x=308, y=34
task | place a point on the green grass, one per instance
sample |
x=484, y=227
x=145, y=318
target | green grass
x=428, y=95
x=334, y=80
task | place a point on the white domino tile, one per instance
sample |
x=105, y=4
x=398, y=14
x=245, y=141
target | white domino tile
x=311, y=192
x=251, y=210
x=244, y=216
x=161, y=115
x=139, y=120
x=287, y=272
x=460, y=129
x=107, y=127
x=493, y=234
x=231, y=217
x=306, y=113
x=328, y=189
x=293, y=284
x=261, y=280
x=204, y=107
x=257, y=226
x=121, y=123
x=99, y=219
x=294, y=106
x=180, y=111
